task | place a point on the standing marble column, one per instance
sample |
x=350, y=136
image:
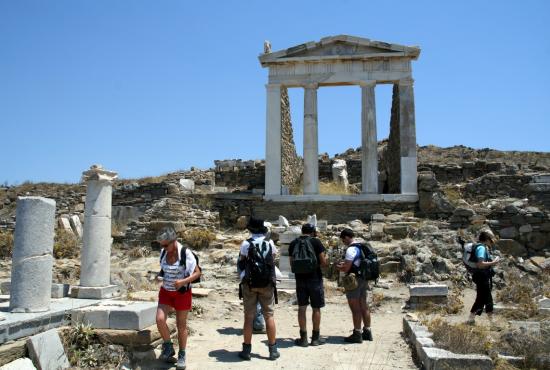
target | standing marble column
x=311, y=144
x=95, y=270
x=369, y=143
x=273, y=141
x=32, y=260
x=407, y=133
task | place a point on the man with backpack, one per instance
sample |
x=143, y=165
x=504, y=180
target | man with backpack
x=307, y=255
x=482, y=275
x=258, y=284
x=179, y=268
x=356, y=292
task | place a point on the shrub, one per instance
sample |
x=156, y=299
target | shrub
x=520, y=291
x=65, y=244
x=460, y=338
x=6, y=244
x=198, y=238
x=530, y=345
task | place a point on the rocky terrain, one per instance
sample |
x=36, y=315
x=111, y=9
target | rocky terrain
x=461, y=191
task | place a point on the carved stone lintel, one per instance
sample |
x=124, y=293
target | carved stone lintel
x=96, y=172
x=370, y=83
x=312, y=85
x=406, y=81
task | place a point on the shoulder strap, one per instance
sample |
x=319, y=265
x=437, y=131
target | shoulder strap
x=183, y=256
x=162, y=254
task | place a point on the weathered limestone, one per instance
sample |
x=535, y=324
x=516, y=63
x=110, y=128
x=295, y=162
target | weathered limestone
x=311, y=144
x=117, y=315
x=425, y=294
x=273, y=141
x=19, y=364
x=345, y=60
x=96, y=250
x=76, y=225
x=369, y=142
x=47, y=352
x=32, y=261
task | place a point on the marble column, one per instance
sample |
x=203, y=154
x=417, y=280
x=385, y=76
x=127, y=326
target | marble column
x=369, y=143
x=95, y=270
x=311, y=145
x=32, y=260
x=273, y=141
x=407, y=133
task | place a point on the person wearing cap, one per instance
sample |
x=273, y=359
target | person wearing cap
x=309, y=286
x=357, y=298
x=266, y=295
x=483, y=276
x=175, y=292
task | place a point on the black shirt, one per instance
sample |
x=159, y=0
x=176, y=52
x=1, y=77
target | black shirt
x=318, y=248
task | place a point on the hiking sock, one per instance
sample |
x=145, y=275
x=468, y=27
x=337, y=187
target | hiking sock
x=315, y=339
x=245, y=353
x=302, y=341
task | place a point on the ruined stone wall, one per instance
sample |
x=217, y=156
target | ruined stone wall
x=292, y=165
x=230, y=207
x=240, y=174
x=495, y=185
x=393, y=150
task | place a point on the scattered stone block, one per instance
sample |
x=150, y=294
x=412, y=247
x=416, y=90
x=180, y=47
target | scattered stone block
x=65, y=224
x=95, y=316
x=511, y=247
x=47, y=352
x=12, y=351
x=377, y=217
x=200, y=292
x=60, y=290
x=135, y=315
x=142, y=339
x=438, y=359
x=19, y=364
x=283, y=221
x=508, y=232
x=397, y=231
x=390, y=267
x=110, y=291
x=428, y=290
x=187, y=185
x=76, y=225
x=322, y=225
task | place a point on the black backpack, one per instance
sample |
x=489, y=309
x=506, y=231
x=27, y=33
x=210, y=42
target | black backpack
x=183, y=262
x=304, y=259
x=260, y=265
x=369, y=267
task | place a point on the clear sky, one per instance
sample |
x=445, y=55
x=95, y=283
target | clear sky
x=149, y=87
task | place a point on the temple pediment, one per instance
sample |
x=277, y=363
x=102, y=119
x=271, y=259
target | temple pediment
x=339, y=47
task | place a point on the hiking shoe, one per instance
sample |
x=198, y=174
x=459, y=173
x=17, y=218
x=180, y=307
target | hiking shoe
x=273, y=353
x=354, y=338
x=302, y=341
x=315, y=339
x=167, y=351
x=367, y=334
x=245, y=353
x=180, y=365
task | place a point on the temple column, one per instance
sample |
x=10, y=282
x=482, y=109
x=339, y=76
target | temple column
x=369, y=143
x=311, y=145
x=407, y=133
x=273, y=140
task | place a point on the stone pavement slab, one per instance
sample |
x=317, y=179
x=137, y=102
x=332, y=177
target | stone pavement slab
x=47, y=352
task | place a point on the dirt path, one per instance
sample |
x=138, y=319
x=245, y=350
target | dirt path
x=217, y=337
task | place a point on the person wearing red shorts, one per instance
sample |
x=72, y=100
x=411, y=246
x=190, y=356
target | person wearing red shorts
x=175, y=292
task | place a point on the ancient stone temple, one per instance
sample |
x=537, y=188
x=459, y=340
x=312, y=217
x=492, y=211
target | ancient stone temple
x=338, y=61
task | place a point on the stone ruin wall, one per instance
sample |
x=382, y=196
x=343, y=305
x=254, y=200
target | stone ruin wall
x=292, y=166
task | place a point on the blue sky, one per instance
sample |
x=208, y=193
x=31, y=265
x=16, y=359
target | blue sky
x=149, y=87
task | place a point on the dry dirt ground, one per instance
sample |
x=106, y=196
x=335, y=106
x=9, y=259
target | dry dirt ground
x=217, y=336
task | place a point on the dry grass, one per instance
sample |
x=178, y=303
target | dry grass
x=460, y=338
x=453, y=194
x=332, y=188
x=520, y=291
x=533, y=346
x=139, y=252
x=198, y=238
x=6, y=244
x=65, y=244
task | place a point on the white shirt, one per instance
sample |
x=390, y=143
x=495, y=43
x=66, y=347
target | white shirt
x=351, y=254
x=173, y=272
x=259, y=238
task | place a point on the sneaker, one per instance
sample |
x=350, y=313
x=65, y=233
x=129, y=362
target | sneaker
x=367, y=334
x=180, y=365
x=354, y=338
x=167, y=351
